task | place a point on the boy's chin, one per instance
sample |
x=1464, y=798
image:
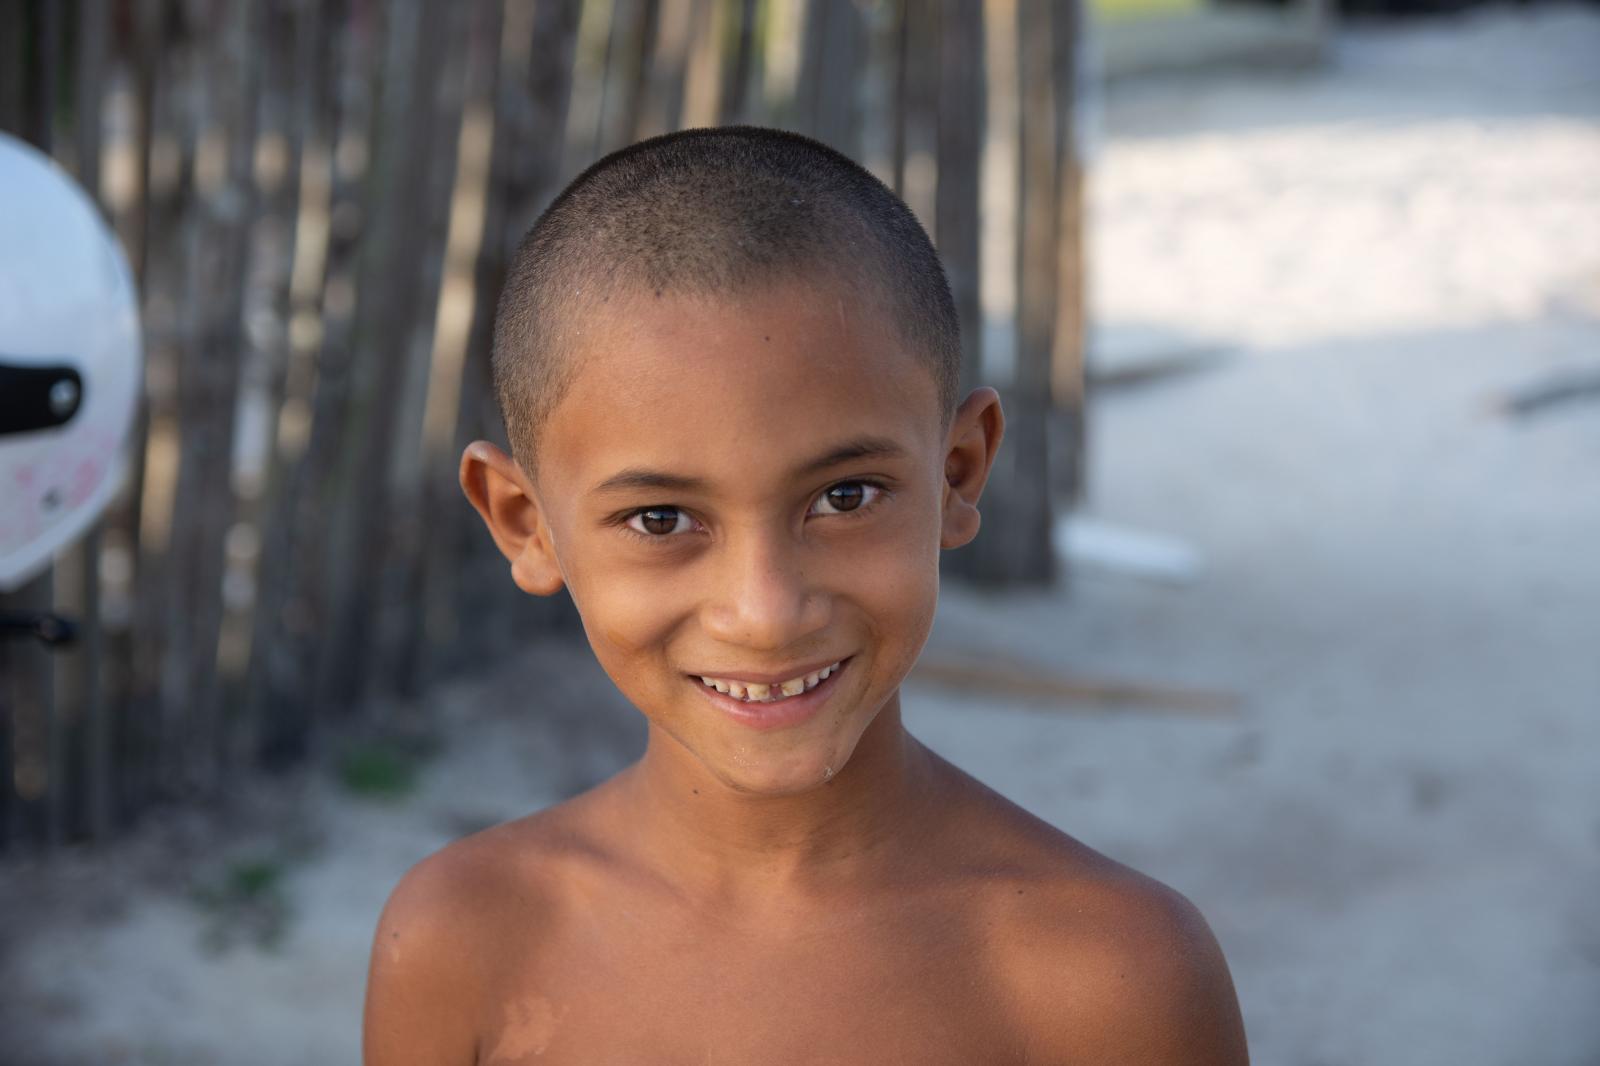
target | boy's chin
x=791, y=774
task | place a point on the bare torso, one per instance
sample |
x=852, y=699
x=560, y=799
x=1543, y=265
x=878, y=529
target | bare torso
x=976, y=934
x=660, y=984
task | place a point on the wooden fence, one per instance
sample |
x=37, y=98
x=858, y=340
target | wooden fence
x=319, y=198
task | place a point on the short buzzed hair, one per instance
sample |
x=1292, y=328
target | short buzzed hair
x=711, y=212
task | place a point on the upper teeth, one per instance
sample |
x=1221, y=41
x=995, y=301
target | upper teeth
x=754, y=692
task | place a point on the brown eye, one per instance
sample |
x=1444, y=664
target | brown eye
x=845, y=497
x=660, y=521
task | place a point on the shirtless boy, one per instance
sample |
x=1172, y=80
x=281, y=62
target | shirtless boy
x=728, y=363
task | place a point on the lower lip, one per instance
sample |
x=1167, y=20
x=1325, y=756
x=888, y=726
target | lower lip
x=790, y=711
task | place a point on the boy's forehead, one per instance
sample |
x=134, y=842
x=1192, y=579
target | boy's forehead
x=729, y=383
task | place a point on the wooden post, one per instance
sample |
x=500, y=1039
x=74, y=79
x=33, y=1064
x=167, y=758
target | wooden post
x=524, y=175
x=961, y=114
x=393, y=596
x=957, y=204
x=627, y=72
x=134, y=51
x=80, y=797
x=286, y=687
x=443, y=557
x=94, y=786
x=1067, y=392
x=830, y=68
x=148, y=231
x=14, y=38
x=71, y=671
x=297, y=105
x=387, y=298
x=920, y=128
x=662, y=103
x=208, y=386
x=93, y=26
x=734, y=100
x=27, y=688
x=704, y=79
x=8, y=799
x=1015, y=544
x=35, y=788
x=36, y=736
x=99, y=787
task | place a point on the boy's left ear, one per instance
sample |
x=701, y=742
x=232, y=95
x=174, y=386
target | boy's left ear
x=975, y=435
x=503, y=497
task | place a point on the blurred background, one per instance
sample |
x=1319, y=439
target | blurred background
x=1289, y=587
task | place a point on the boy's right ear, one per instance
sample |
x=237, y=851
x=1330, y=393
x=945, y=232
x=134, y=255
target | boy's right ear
x=498, y=489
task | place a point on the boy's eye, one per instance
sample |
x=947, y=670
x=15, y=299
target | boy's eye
x=665, y=521
x=660, y=521
x=845, y=496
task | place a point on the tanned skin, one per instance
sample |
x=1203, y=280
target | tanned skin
x=825, y=892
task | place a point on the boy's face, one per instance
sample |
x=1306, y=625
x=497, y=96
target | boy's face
x=747, y=489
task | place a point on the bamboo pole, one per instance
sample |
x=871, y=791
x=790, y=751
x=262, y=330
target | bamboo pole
x=662, y=102
x=132, y=652
x=1067, y=389
x=13, y=66
x=960, y=155
x=162, y=629
x=208, y=383
x=435, y=624
x=900, y=96
x=704, y=78
x=1015, y=546
x=356, y=482
x=58, y=785
x=26, y=687
x=734, y=99
x=629, y=48
x=832, y=57
x=533, y=93
x=500, y=41
x=131, y=59
x=297, y=105
x=95, y=785
x=393, y=593
x=8, y=799
x=287, y=679
x=34, y=774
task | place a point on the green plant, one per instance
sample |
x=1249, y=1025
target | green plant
x=246, y=898
x=378, y=769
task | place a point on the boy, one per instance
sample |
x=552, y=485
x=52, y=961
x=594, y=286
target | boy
x=728, y=362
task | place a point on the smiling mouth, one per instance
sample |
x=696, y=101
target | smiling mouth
x=754, y=692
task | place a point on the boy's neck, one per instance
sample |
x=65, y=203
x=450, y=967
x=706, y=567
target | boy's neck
x=711, y=839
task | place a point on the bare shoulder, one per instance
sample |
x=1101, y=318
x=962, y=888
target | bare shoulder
x=1119, y=968
x=443, y=937
x=1102, y=964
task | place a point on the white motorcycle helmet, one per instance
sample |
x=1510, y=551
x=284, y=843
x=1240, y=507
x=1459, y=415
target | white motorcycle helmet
x=70, y=361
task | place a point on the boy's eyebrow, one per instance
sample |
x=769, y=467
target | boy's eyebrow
x=859, y=448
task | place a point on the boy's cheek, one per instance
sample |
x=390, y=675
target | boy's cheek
x=631, y=607
x=899, y=601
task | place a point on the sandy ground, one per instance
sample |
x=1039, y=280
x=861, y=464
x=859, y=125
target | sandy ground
x=1396, y=834
x=113, y=958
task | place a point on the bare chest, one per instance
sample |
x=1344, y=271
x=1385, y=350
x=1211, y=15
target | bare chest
x=905, y=994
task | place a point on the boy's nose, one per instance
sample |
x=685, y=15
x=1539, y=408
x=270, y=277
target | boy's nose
x=763, y=600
